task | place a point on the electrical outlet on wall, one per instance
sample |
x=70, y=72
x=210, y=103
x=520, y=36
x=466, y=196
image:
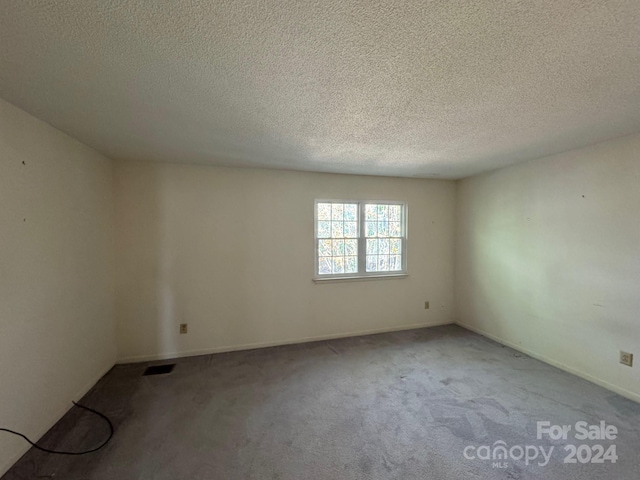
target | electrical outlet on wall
x=184, y=328
x=626, y=358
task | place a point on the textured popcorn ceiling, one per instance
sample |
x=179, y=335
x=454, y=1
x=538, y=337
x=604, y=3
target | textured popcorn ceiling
x=447, y=88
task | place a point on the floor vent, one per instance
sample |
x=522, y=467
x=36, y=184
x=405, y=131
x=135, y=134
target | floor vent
x=159, y=369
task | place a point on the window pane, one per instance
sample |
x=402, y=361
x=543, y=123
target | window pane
x=350, y=229
x=324, y=211
x=338, y=248
x=337, y=211
x=351, y=265
x=395, y=246
x=372, y=263
x=395, y=262
x=372, y=246
x=383, y=229
x=394, y=229
x=324, y=265
x=371, y=212
x=383, y=263
x=336, y=230
x=324, y=229
x=372, y=229
x=395, y=213
x=324, y=248
x=383, y=212
x=351, y=212
x=351, y=247
x=383, y=246
x=338, y=264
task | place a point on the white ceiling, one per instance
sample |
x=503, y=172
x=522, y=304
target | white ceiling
x=390, y=87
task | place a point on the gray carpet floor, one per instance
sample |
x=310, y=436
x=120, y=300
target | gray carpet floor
x=391, y=406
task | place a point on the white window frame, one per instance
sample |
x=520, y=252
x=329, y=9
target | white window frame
x=362, y=274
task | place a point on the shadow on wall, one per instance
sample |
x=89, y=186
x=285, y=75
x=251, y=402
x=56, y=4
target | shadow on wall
x=507, y=268
x=141, y=257
x=176, y=244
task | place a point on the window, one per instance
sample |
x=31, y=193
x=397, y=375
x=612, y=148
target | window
x=359, y=239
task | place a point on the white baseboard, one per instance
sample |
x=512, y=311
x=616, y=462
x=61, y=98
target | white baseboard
x=251, y=346
x=603, y=383
x=54, y=419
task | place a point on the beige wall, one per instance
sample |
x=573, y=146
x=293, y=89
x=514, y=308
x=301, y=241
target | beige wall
x=56, y=280
x=548, y=259
x=231, y=253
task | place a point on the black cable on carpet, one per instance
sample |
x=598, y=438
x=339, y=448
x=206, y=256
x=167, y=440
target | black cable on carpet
x=69, y=453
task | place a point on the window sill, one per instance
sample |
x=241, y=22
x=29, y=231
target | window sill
x=356, y=278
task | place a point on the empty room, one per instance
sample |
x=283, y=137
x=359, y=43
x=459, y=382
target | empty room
x=339, y=240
